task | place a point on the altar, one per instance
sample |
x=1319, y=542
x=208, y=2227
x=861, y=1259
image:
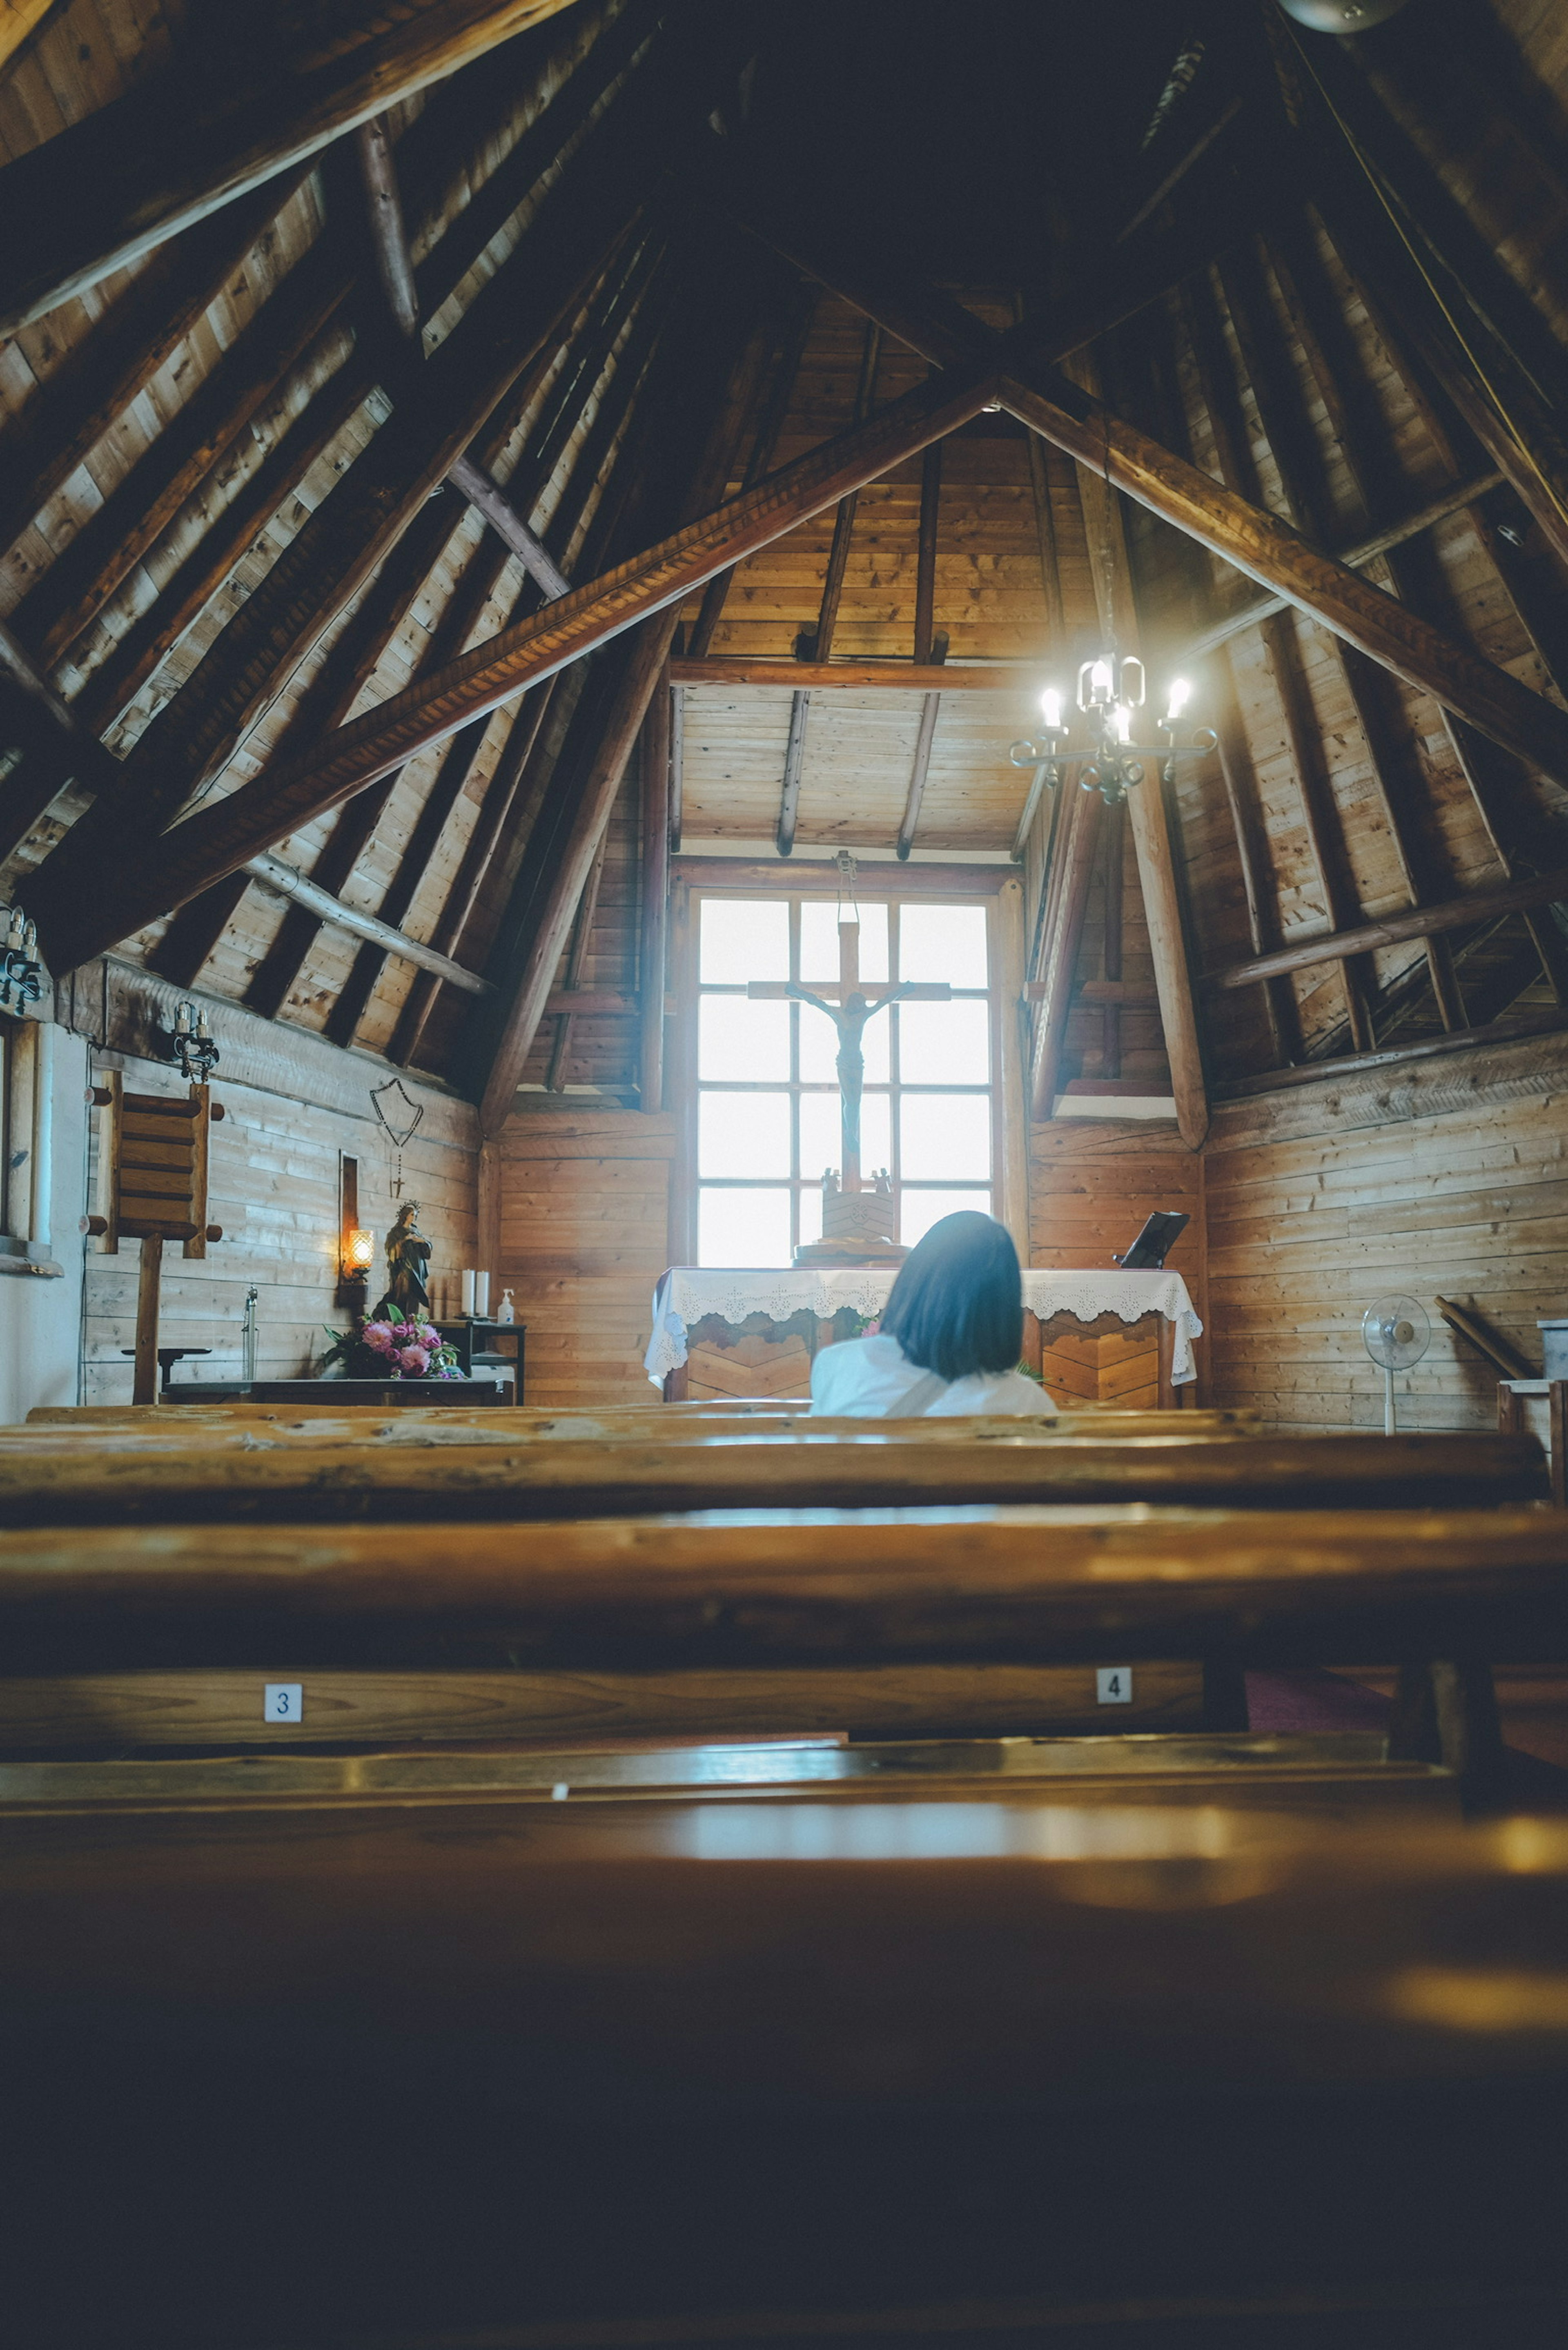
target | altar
x=1102, y=1338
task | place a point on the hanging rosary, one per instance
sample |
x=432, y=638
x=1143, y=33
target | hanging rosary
x=399, y=1136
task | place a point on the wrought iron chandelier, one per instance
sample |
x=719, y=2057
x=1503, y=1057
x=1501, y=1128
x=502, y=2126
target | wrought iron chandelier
x=1111, y=690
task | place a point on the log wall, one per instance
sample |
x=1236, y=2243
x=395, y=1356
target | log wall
x=1091, y=1186
x=292, y=1107
x=1448, y=1178
x=584, y=1215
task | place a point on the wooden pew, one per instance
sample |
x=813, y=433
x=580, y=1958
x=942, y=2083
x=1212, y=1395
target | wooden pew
x=53, y=1478
x=665, y=1424
x=1337, y=1776
x=783, y=1619
x=915, y=2071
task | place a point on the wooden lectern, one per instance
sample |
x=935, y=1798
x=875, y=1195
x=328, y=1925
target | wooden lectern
x=152, y=1187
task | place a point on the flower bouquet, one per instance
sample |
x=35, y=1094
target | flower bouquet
x=393, y=1348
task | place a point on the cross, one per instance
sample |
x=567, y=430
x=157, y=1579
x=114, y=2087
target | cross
x=853, y=1006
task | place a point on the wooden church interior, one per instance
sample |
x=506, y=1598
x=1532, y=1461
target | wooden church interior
x=530, y=529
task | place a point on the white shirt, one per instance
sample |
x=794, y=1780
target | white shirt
x=872, y=1378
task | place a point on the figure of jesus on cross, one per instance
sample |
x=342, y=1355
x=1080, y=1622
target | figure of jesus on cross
x=852, y=1008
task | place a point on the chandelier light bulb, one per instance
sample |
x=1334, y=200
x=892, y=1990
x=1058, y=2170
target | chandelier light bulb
x=1121, y=719
x=1050, y=710
x=1100, y=681
x=1180, y=695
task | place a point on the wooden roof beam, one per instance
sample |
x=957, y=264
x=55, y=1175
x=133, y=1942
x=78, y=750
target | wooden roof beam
x=583, y=220
x=96, y=196
x=1240, y=533
x=1395, y=930
x=1072, y=867
x=930, y=650
x=488, y=498
x=389, y=235
x=217, y=839
x=287, y=881
x=795, y=758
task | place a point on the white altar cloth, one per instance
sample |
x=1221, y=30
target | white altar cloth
x=687, y=1294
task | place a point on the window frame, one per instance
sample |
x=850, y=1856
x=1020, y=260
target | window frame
x=798, y=886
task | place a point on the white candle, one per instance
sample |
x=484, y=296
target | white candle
x=483, y=1282
x=468, y=1292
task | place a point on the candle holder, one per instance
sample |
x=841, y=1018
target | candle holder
x=21, y=973
x=194, y=1048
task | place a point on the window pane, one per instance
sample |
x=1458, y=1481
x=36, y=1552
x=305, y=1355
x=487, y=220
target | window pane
x=742, y=1228
x=811, y=1214
x=743, y=1133
x=944, y=1044
x=819, y=1049
x=820, y=1133
x=742, y=1042
x=819, y=941
x=943, y=942
x=744, y=939
x=944, y=1138
x=918, y=1211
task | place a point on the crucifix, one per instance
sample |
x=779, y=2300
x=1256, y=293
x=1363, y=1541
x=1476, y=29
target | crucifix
x=851, y=1008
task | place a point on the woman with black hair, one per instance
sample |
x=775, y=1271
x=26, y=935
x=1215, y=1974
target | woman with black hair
x=951, y=1336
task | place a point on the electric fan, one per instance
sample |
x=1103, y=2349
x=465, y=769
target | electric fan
x=1396, y=1333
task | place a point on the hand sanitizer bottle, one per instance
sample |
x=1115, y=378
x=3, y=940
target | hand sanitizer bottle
x=506, y=1311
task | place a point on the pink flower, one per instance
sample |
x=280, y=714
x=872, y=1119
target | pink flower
x=378, y=1335
x=414, y=1359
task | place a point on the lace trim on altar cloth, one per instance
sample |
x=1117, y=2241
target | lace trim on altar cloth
x=688, y=1294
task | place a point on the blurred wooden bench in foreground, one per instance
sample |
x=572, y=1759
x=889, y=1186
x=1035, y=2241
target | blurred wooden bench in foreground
x=816, y=2071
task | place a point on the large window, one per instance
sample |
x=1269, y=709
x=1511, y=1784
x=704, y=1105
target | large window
x=768, y=1102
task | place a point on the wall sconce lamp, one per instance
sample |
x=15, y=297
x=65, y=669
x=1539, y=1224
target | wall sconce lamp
x=20, y=969
x=355, y=1246
x=194, y=1046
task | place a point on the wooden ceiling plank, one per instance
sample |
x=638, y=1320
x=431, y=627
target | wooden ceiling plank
x=1500, y=408
x=1017, y=681
x=765, y=448
x=1457, y=499
x=1324, y=344
x=696, y=403
x=109, y=188
x=340, y=859
x=214, y=840
x=73, y=591
x=389, y=233
x=196, y=930
x=500, y=338
x=120, y=676
x=1242, y=534
x=1319, y=325
x=582, y=933
x=818, y=646
x=72, y=749
x=1268, y=366
x=1445, y=243
x=83, y=398
x=322, y=709
x=487, y=210
x=506, y=789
